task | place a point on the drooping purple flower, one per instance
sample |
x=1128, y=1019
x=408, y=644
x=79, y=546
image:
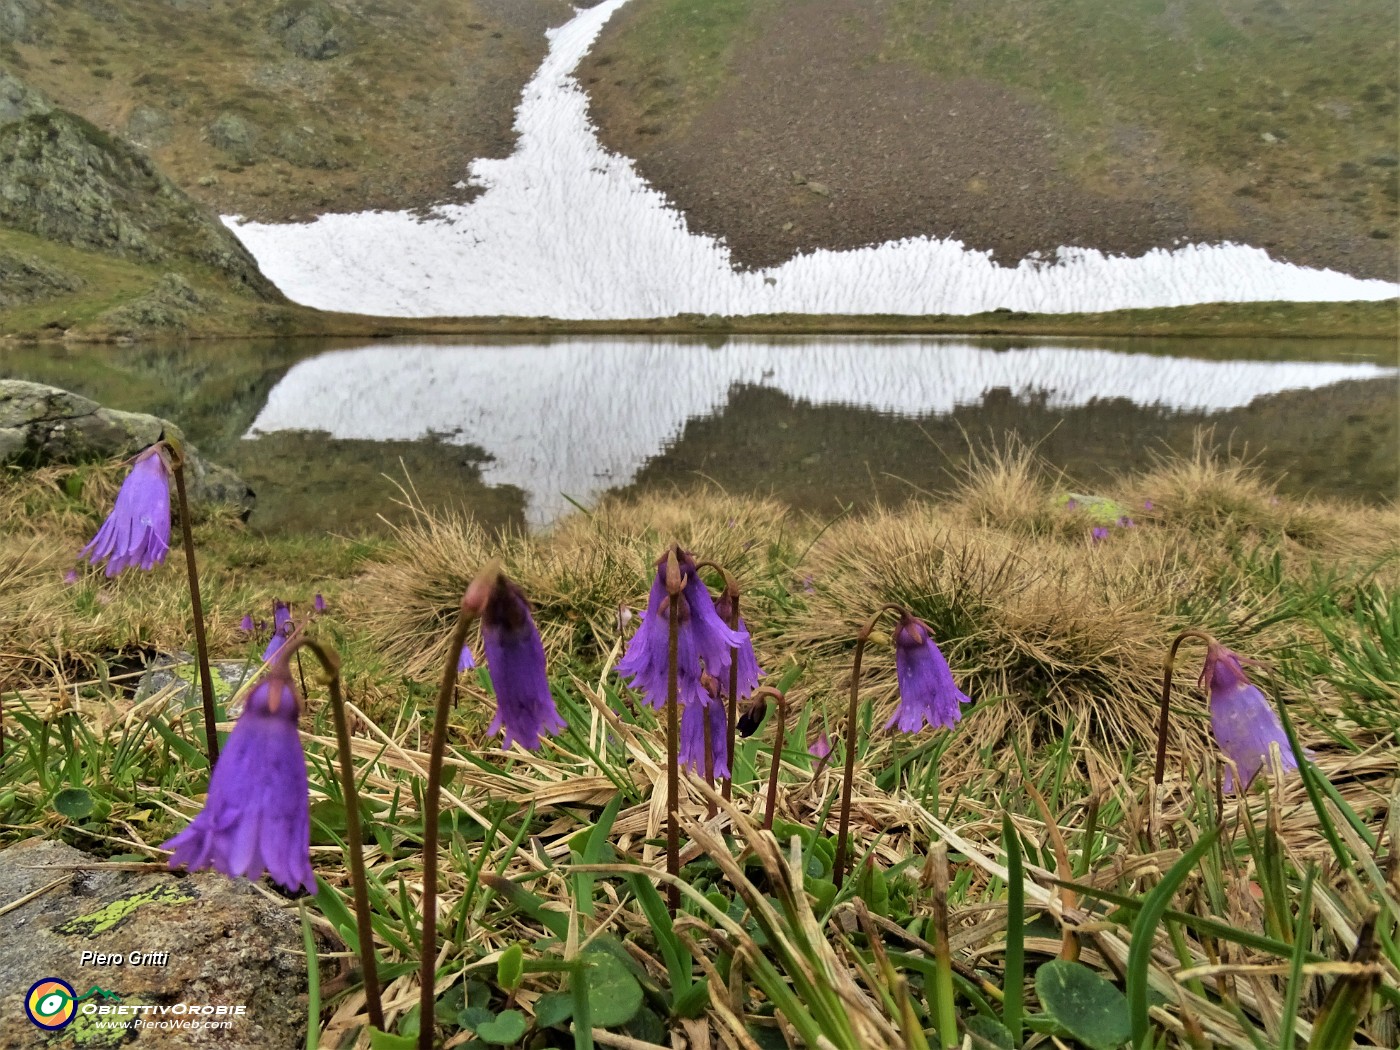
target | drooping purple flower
x=515, y=661
x=927, y=692
x=749, y=671
x=821, y=747
x=1071, y=504
x=1126, y=522
x=465, y=661
x=692, y=742
x=137, y=532
x=256, y=818
x=319, y=603
x=1099, y=533
x=71, y=576
x=282, y=626
x=1241, y=717
x=703, y=641
x=246, y=624
x=1147, y=504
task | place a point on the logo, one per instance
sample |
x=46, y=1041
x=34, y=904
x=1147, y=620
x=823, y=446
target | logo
x=51, y=1003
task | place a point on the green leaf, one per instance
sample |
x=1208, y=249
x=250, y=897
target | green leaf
x=73, y=803
x=506, y=1029
x=553, y=1008
x=389, y=1041
x=988, y=1030
x=473, y=1017
x=614, y=995
x=1088, y=1007
x=510, y=968
x=692, y=1002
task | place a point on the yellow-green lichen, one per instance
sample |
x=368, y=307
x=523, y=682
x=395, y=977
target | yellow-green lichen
x=118, y=911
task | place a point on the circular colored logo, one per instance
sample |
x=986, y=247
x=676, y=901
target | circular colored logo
x=51, y=1003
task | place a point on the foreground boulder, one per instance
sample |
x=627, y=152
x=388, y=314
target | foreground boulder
x=42, y=424
x=187, y=945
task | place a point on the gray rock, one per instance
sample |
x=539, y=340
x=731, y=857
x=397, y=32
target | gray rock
x=25, y=278
x=201, y=939
x=148, y=127
x=17, y=99
x=310, y=29
x=182, y=671
x=169, y=305
x=233, y=135
x=42, y=424
x=22, y=20
x=63, y=179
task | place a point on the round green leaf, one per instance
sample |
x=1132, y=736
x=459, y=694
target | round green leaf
x=553, y=1008
x=73, y=803
x=988, y=1031
x=1085, y=1005
x=510, y=968
x=614, y=996
x=506, y=1030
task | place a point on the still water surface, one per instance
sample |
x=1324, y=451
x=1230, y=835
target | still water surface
x=520, y=431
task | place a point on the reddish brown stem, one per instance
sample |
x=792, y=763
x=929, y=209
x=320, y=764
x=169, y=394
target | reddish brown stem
x=839, y=868
x=432, y=796
x=354, y=839
x=206, y=681
x=1160, y=771
x=778, y=733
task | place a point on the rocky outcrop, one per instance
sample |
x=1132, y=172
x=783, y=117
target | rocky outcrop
x=27, y=279
x=42, y=424
x=182, y=943
x=310, y=29
x=22, y=20
x=17, y=99
x=169, y=305
x=63, y=179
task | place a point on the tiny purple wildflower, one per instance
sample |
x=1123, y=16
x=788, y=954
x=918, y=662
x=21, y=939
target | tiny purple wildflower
x=807, y=585
x=137, y=532
x=1071, y=504
x=319, y=603
x=692, y=743
x=1099, y=533
x=1243, y=721
x=256, y=817
x=282, y=626
x=1126, y=522
x=821, y=747
x=515, y=661
x=749, y=671
x=927, y=692
x=465, y=661
x=246, y=624
x=1147, y=504
x=71, y=576
x=703, y=644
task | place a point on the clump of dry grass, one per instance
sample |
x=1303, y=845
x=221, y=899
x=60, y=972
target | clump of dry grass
x=578, y=576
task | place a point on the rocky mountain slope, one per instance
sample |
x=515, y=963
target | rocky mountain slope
x=278, y=109
x=788, y=125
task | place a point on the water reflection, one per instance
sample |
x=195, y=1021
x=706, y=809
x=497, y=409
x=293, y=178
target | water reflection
x=571, y=419
x=818, y=422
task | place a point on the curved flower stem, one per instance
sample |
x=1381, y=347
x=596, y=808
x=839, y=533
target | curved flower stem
x=675, y=584
x=354, y=839
x=1161, y=767
x=771, y=802
x=432, y=796
x=206, y=681
x=839, y=868
x=732, y=590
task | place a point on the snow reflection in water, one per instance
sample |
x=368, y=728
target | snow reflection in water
x=577, y=417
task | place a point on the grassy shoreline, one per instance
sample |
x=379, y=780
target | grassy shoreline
x=1212, y=320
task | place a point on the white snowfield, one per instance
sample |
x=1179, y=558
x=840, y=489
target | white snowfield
x=577, y=417
x=565, y=229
